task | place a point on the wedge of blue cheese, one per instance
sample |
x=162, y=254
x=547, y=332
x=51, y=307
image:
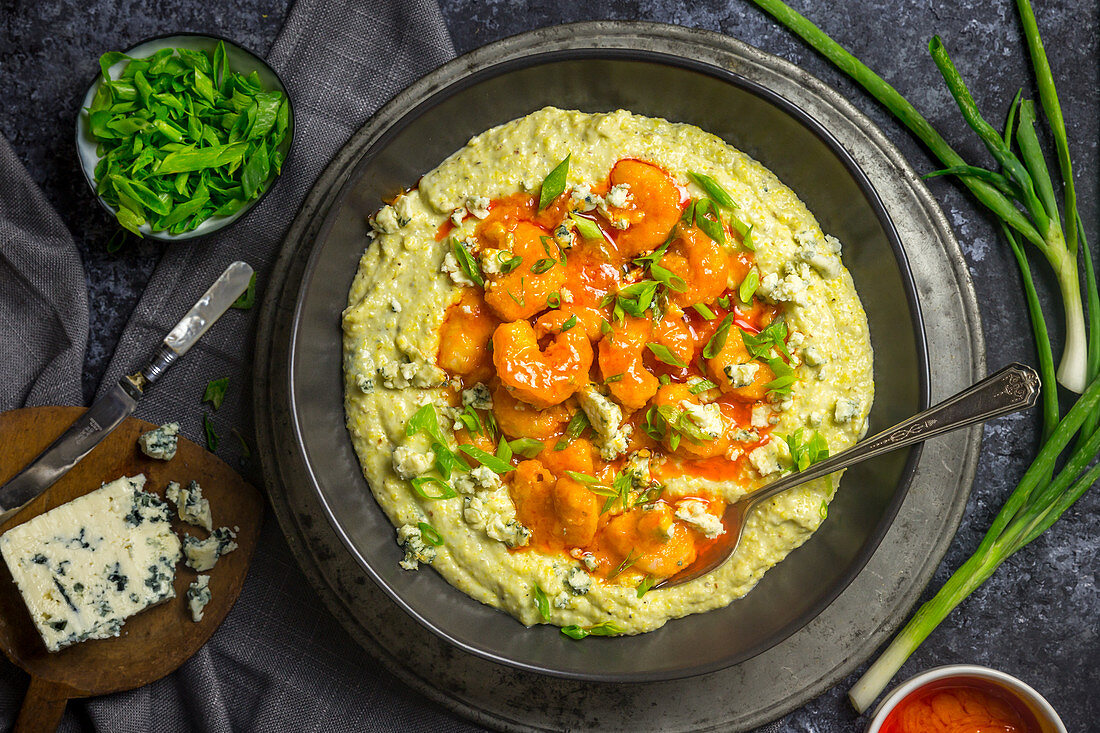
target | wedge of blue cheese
x=203, y=554
x=84, y=567
x=160, y=443
x=190, y=505
x=198, y=595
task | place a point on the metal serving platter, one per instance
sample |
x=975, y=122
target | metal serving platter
x=815, y=616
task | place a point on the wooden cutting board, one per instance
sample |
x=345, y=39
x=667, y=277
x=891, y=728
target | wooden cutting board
x=157, y=641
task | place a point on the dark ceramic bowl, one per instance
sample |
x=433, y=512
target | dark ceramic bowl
x=807, y=158
x=240, y=60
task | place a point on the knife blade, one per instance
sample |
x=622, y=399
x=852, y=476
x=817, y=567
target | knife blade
x=118, y=403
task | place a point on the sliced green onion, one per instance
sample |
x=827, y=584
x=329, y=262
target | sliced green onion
x=554, y=183
x=430, y=535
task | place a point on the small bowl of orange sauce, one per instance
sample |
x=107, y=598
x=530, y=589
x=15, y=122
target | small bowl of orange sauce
x=965, y=698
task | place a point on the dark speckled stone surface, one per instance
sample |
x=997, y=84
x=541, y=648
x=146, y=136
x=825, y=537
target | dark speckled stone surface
x=1039, y=616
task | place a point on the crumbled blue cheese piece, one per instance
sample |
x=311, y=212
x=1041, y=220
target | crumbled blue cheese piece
x=741, y=375
x=791, y=288
x=453, y=270
x=694, y=512
x=564, y=235
x=846, y=409
x=478, y=206
x=190, y=505
x=409, y=462
x=385, y=221
x=203, y=554
x=198, y=595
x=707, y=418
x=605, y=417
x=419, y=373
x=566, y=295
x=480, y=478
x=161, y=442
x=579, y=582
x=478, y=397
x=492, y=260
x=619, y=195
x=86, y=566
x=740, y=435
x=637, y=468
x=764, y=459
x=458, y=215
x=812, y=356
x=583, y=198
x=760, y=414
x=416, y=549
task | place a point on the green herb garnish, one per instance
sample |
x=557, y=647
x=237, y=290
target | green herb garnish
x=184, y=112
x=430, y=535
x=718, y=340
x=510, y=264
x=806, y=451
x=215, y=391
x=668, y=278
x=211, y=435
x=713, y=189
x=702, y=385
x=248, y=298
x=569, y=323
x=467, y=262
x=542, y=265
x=554, y=183
x=542, y=603
x=607, y=628
x=704, y=311
x=663, y=353
x=576, y=427
x=760, y=345
x=588, y=228
x=643, y=587
x=708, y=219
x=526, y=447
x=628, y=561
x=494, y=464
x=748, y=286
x=445, y=490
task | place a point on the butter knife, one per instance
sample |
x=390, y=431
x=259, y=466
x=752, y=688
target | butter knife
x=108, y=412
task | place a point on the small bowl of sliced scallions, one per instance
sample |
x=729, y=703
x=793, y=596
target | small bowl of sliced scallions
x=180, y=135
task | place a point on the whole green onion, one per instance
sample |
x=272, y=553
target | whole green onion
x=1021, y=195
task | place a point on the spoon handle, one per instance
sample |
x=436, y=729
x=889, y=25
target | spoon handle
x=1013, y=388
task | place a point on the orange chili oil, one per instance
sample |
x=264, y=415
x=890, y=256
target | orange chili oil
x=961, y=705
x=548, y=322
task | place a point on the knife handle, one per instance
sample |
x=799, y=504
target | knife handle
x=164, y=357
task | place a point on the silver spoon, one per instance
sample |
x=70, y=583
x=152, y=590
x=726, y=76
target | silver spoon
x=1013, y=388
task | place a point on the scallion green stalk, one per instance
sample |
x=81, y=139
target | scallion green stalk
x=1022, y=196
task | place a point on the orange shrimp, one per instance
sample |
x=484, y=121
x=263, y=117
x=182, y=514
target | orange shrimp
x=703, y=265
x=588, y=319
x=559, y=511
x=674, y=395
x=620, y=359
x=673, y=333
x=732, y=356
x=577, y=511
x=651, y=537
x=542, y=378
x=520, y=293
x=520, y=420
x=464, y=338
x=576, y=456
x=653, y=208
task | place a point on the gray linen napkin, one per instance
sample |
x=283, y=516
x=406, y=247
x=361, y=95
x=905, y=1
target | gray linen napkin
x=280, y=661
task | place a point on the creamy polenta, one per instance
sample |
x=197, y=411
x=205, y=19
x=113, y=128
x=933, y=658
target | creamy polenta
x=575, y=342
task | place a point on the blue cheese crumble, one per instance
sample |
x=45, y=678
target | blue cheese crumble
x=198, y=595
x=416, y=549
x=161, y=442
x=84, y=567
x=190, y=504
x=694, y=512
x=605, y=417
x=203, y=554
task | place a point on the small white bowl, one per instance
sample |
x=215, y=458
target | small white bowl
x=241, y=60
x=1049, y=722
